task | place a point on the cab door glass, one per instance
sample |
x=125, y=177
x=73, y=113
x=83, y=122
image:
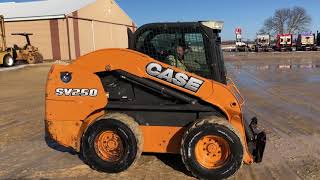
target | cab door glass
x=184, y=49
x=195, y=55
x=164, y=45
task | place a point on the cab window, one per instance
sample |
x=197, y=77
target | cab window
x=162, y=46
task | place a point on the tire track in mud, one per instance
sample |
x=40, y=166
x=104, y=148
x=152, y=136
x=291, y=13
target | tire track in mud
x=10, y=117
x=21, y=130
x=297, y=99
x=45, y=156
x=26, y=166
x=275, y=102
x=290, y=153
x=287, y=151
x=294, y=132
x=289, y=119
x=15, y=129
x=250, y=70
x=29, y=142
x=19, y=109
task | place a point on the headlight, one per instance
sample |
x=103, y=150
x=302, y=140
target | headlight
x=213, y=24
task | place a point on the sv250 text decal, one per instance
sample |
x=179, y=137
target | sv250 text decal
x=76, y=92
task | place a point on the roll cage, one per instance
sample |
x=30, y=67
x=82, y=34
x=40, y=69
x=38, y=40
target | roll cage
x=204, y=43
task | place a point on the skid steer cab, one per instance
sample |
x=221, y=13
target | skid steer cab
x=166, y=93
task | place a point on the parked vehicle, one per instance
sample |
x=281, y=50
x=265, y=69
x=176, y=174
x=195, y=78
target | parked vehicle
x=6, y=54
x=284, y=42
x=241, y=46
x=262, y=43
x=9, y=55
x=28, y=52
x=318, y=41
x=306, y=42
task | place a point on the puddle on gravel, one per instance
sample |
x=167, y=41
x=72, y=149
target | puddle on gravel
x=276, y=71
x=283, y=66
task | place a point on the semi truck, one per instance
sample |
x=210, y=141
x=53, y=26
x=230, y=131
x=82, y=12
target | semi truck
x=306, y=41
x=284, y=42
x=262, y=43
x=318, y=41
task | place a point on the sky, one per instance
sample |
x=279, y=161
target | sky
x=247, y=14
x=18, y=0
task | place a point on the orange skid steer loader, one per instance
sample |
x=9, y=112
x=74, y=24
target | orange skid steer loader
x=166, y=93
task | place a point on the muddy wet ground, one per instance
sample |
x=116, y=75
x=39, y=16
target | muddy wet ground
x=282, y=92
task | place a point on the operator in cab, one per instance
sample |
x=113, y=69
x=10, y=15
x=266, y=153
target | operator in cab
x=177, y=59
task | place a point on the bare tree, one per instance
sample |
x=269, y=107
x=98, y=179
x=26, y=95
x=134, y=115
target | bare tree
x=299, y=20
x=268, y=26
x=287, y=20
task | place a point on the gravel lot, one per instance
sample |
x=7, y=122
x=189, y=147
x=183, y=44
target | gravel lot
x=281, y=90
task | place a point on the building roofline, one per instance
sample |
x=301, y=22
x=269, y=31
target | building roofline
x=60, y=16
x=43, y=9
x=124, y=12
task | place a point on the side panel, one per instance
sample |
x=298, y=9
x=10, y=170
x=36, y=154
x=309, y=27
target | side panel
x=162, y=139
x=65, y=108
x=135, y=63
x=64, y=101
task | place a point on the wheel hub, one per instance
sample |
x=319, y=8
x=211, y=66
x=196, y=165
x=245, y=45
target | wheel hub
x=10, y=61
x=112, y=144
x=212, y=148
x=109, y=146
x=212, y=151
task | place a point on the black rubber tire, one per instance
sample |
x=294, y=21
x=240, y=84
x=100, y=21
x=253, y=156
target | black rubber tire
x=218, y=126
x=5, y=60
x=131, y=137
x=38, y=57
x=32, y=60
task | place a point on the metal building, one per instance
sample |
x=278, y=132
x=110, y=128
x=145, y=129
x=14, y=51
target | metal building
x=67, y=29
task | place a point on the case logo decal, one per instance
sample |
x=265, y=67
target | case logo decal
x=176, y=78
